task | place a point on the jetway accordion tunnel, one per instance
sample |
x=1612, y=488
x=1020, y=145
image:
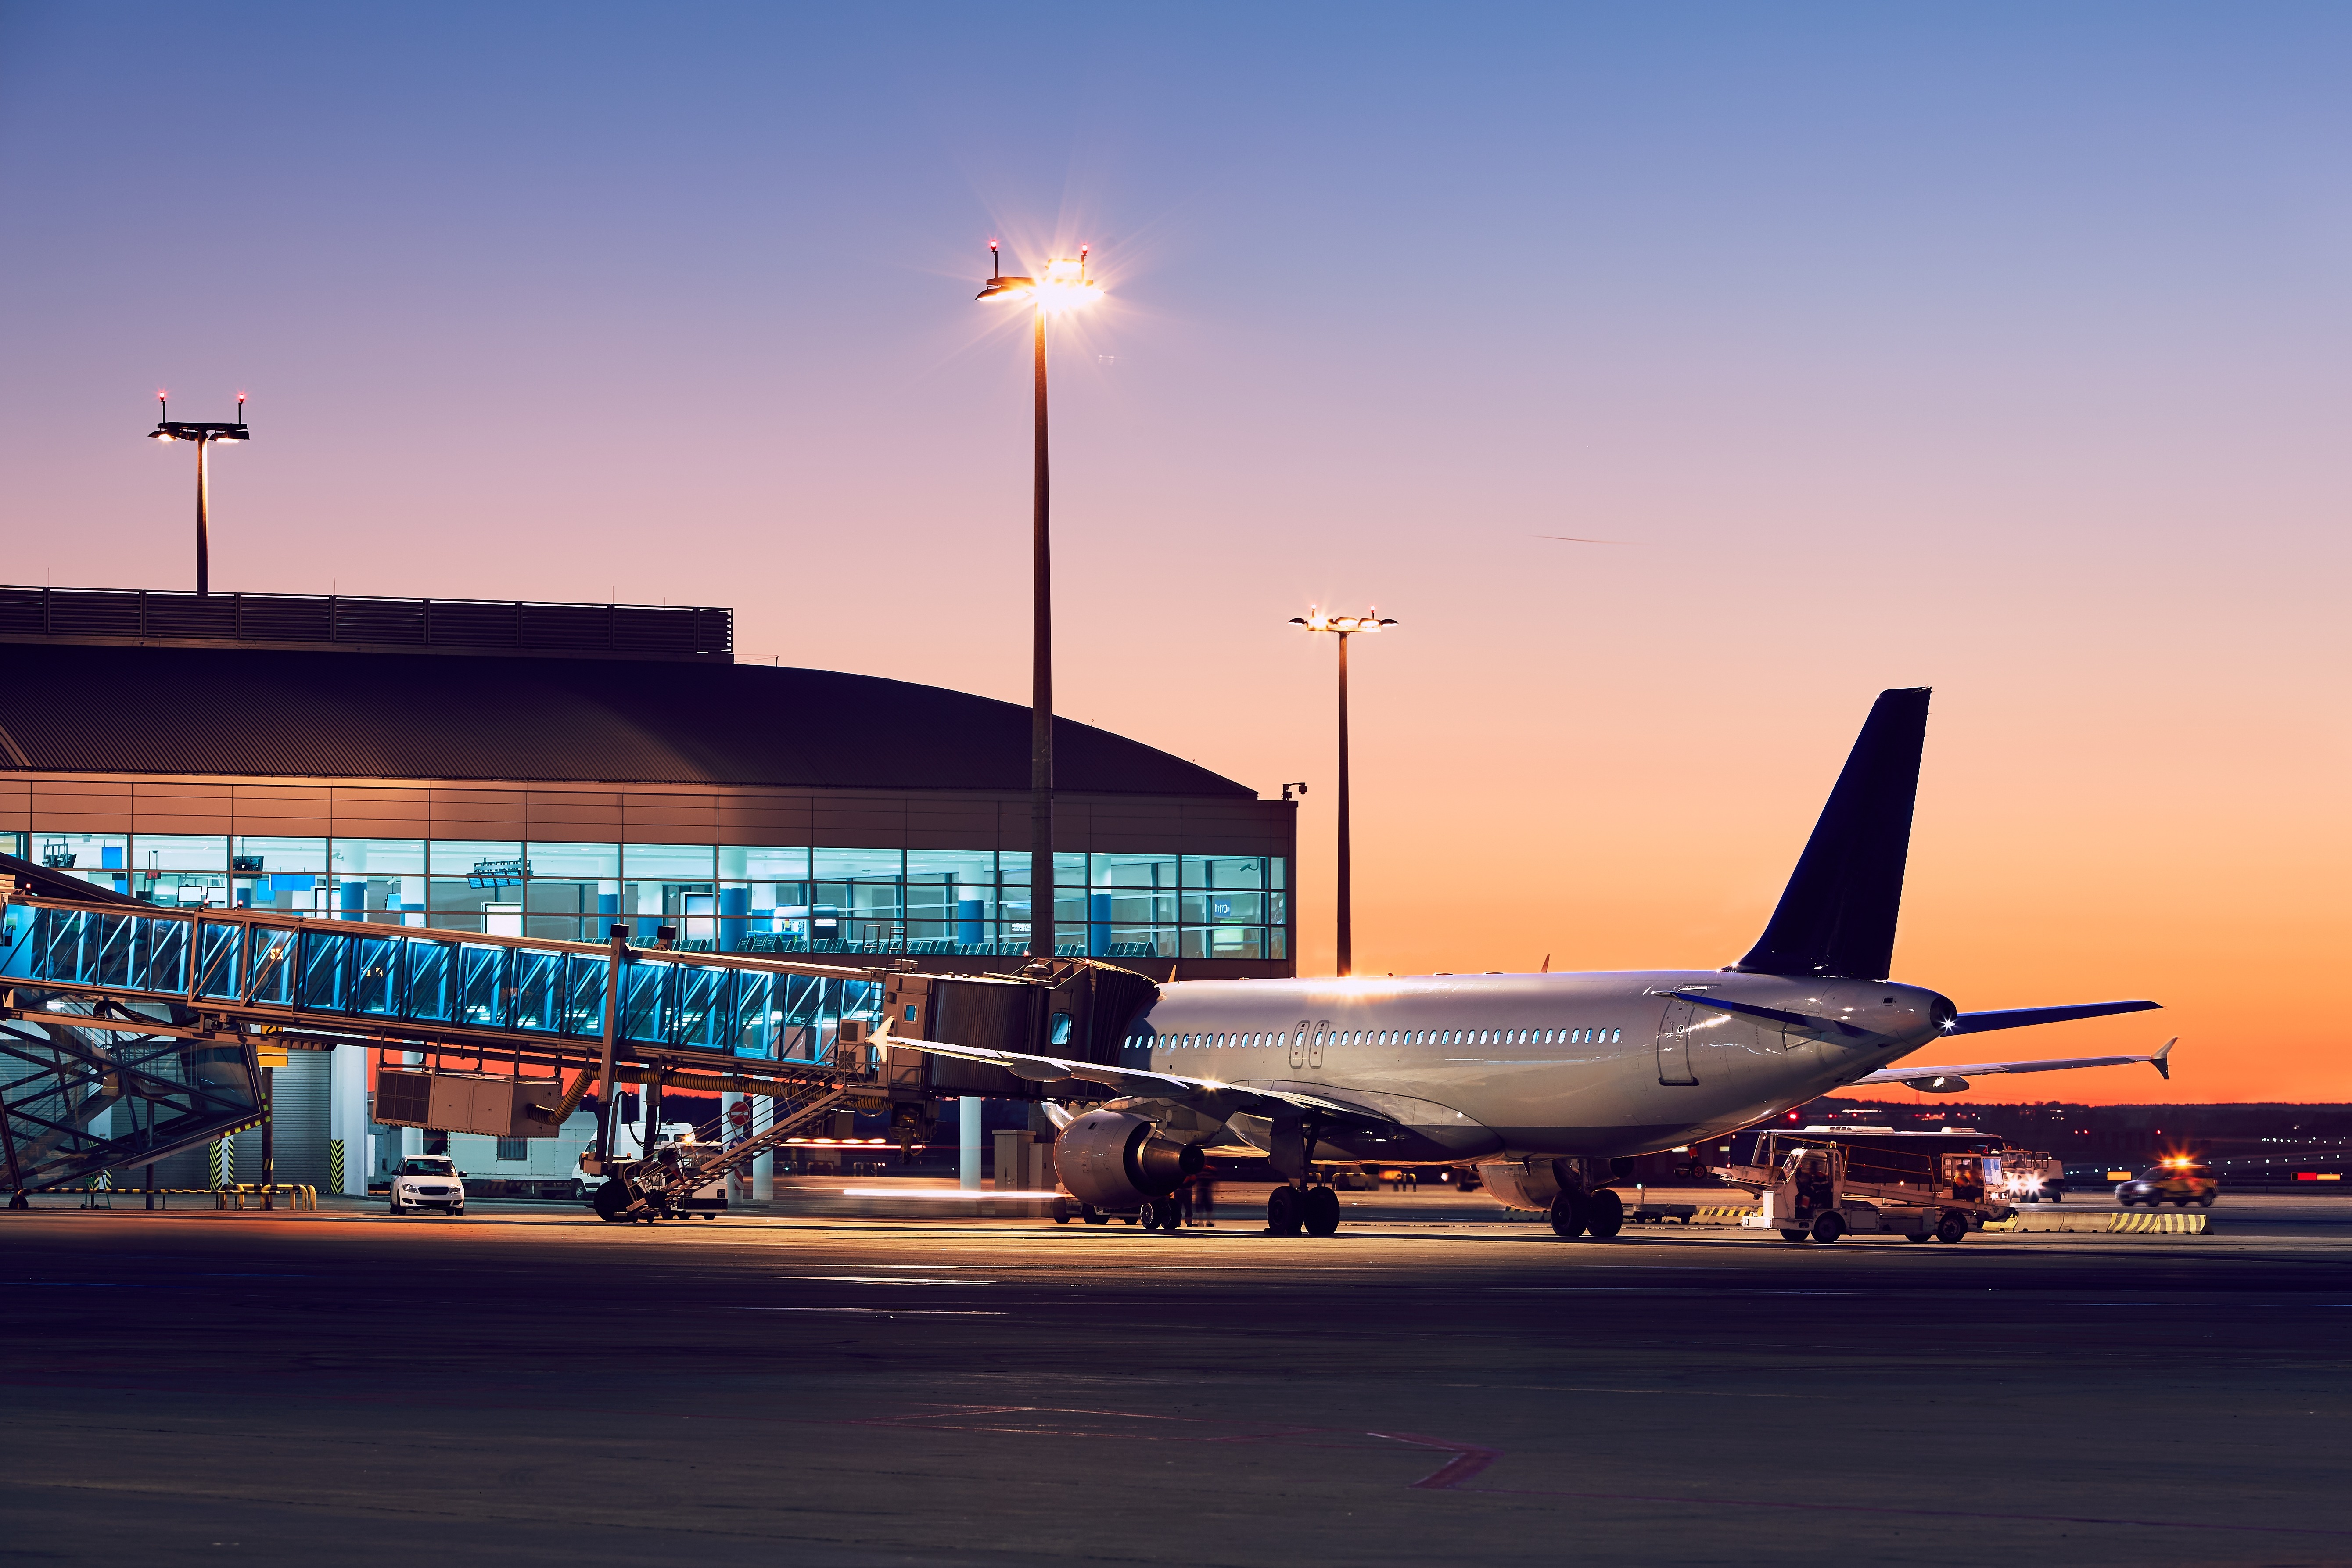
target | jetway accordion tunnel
x=106, y=1002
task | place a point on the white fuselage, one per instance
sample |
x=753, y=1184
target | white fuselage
x=1523, y=1066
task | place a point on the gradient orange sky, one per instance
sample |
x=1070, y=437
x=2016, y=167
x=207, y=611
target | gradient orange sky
x=2000, y=353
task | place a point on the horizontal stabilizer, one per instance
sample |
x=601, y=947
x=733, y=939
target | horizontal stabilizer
x=2022, y=1017
x=1946, y=1080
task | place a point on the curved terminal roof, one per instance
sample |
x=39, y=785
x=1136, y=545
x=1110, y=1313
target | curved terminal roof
x=109, y=709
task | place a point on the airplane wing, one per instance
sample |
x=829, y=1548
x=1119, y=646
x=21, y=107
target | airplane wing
x=1198, y=1093
x=1951, y=1080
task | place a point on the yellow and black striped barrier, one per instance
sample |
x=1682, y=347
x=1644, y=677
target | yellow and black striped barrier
x=304, y=1197
x=1687, y=1213
x=2095, y=1222
x=227, y=1195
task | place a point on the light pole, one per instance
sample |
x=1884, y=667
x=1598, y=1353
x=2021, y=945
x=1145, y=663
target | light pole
x=1062, y=287
x=203, y=433
x=1345, y=627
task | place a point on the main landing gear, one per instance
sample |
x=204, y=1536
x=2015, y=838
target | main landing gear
x=1289, y=1211
x=1600, y=1214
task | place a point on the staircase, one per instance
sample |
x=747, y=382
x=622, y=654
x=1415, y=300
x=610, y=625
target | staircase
x=675, y=1172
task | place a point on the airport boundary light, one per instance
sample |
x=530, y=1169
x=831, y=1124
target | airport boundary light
x=203, y=433
x=1343, y=910
x=1063, y=286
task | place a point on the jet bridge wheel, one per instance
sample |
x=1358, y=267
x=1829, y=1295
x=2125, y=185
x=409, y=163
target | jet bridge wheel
x=1320, y=1211
x=610, y=1200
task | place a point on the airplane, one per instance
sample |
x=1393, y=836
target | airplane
x=1541, y=1081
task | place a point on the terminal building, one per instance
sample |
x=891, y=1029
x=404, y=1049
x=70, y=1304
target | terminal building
x=550, y=770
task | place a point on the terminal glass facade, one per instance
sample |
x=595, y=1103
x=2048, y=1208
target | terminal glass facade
x=717, y=897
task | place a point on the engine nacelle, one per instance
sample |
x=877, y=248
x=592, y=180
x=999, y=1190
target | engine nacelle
x=1115, y=1161
x=1524, y=1183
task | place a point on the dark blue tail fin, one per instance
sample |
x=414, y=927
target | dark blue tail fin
x=1837, y=914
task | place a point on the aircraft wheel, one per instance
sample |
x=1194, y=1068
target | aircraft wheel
x=1828, y=1227
x=1320, y=1211
x=1568, y=1213
x=1284, y=1211
x=1151, y=1215
x=1951, y=1229
x=1604, y=1214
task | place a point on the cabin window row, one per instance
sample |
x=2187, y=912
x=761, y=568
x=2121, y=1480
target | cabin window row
x=1252, y=1038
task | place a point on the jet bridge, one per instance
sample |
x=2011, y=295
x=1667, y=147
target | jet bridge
x=105, y=1002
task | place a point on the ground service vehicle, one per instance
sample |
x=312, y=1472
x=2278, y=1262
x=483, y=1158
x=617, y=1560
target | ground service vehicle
x=2027, y=1176
x=1810, y=1185
x=428, y=1184
x=687, y=1172
x=2179, y=1182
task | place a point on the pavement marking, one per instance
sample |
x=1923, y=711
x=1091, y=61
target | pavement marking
x=873, y=1280
x=1660, y=1289
x=1468, y=1459
x=875, y=1311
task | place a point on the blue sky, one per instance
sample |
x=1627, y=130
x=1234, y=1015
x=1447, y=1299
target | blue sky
x=2001, y=348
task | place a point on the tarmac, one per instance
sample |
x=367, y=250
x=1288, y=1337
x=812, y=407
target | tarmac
x=1437, y=1383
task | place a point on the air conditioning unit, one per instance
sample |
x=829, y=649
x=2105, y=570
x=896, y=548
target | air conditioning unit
x=467, y=1102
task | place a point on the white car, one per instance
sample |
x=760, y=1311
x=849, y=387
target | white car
x=428, y=1183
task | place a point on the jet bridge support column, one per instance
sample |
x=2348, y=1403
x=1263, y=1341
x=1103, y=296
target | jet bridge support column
x=967, y=1143
x=347, y=1102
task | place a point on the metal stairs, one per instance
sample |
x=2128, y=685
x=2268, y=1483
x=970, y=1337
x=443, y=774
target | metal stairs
x=660, y=1184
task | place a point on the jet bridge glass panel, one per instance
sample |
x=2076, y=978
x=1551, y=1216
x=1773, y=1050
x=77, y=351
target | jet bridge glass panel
x=716, y=898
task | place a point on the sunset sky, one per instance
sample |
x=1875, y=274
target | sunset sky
x=2003, y=350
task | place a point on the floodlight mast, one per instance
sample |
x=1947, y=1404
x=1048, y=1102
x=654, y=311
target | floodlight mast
x=203, y=433
x=1344, y=627
x=1063, y=286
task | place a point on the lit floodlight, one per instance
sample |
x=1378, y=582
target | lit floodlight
x=205, y=434
x=1317, y=619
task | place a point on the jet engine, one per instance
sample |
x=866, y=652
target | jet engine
x=1523, y=1183
x=1115, y=1161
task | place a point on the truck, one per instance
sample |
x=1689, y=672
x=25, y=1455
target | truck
x=1825, y=1185
x=2027, y=1176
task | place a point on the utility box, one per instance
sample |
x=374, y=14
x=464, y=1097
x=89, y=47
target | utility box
x=1025, y=1163
x=467, y=1102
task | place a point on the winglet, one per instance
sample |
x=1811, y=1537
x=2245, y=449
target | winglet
x=2164, y=1068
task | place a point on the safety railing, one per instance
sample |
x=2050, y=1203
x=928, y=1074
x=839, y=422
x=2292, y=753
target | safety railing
x=415, y=978
x=226, y=1196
